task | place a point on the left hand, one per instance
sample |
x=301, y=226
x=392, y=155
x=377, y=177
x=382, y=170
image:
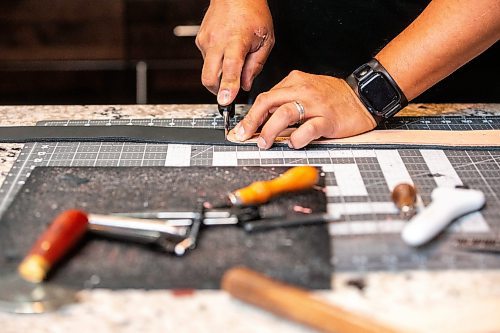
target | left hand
x=332, y=110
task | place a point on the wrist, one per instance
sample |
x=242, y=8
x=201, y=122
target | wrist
x=355, y=104
x=377, y=90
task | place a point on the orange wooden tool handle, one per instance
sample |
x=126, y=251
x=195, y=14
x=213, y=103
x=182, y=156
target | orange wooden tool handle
x=295, y=304
x=62, y=234
x=295, y=179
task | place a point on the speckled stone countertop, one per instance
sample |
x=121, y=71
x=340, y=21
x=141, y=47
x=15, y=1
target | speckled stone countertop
x=415, y=301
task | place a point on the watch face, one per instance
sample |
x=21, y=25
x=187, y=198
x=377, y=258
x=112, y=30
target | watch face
x=378, y=92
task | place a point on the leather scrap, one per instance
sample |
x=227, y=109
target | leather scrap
x=480, y=139
x=114, y=133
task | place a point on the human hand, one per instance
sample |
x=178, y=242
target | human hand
x=235, y=39
x=331, y=110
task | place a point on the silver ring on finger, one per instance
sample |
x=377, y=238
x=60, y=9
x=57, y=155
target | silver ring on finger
x=301, y=111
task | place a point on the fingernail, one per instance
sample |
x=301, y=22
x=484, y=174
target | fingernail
x=240, y=132
x=223, y=97
x=290, y=145
x=261, y=143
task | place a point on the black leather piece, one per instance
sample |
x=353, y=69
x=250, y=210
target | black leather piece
x=118, y=133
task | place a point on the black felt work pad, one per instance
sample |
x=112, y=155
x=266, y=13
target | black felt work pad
x=300, y=255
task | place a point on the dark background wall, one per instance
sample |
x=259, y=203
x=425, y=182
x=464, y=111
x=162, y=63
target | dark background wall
x=87, y=51
x=336, y=36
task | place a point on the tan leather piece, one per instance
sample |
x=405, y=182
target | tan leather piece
x=433, y=138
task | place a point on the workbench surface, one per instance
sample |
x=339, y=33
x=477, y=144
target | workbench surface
x=417, y=301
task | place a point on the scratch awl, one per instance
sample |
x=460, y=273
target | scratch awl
x=64, y=232
x=25, y=291
x=295, y=179
x=227, y=112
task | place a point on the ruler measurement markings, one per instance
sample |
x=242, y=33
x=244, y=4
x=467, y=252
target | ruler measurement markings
x=14, y=183
x=74, y=155
x=482, y=177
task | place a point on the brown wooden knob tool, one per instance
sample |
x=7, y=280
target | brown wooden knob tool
x=295, y=303
x=404, y=196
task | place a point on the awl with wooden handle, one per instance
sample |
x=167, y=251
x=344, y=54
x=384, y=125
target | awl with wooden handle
x=295, y=303
x=295, y=179
x=63, y=233
x=25, y=292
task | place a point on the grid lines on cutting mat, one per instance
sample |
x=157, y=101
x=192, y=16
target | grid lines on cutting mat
x=358, y=183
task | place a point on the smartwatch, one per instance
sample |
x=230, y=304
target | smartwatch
x=377, y=90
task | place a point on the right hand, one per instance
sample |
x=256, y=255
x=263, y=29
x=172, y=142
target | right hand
x=235, y=39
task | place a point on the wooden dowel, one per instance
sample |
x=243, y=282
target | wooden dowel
x=295, y=303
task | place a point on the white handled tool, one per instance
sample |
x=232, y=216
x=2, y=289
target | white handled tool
x=447, y=205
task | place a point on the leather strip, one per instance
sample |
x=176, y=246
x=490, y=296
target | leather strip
x=478, y=139
x=115, y=133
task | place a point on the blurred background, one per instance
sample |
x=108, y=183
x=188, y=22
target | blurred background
x=100, y=52
x=143, y=51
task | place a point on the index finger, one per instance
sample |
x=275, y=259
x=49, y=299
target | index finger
x=262, y=107
x=210, y=74
x=232, y=66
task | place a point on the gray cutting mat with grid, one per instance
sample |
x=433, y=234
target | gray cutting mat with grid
x=358, y=184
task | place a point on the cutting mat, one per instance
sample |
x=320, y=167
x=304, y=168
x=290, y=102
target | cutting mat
x=358, y=184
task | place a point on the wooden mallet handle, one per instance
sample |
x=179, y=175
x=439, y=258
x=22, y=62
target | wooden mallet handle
x=295, y=303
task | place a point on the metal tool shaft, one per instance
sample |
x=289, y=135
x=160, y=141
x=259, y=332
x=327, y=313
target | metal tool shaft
x=211, y=214
x=227, y=112
x=185, y=218
x=128, y=226
x=294, y=221
x=189, y=242
x=226, y=123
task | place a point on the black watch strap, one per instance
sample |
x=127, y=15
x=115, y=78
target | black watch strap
x=363, y=73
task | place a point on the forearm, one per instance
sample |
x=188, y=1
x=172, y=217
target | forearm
x=447, y=34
